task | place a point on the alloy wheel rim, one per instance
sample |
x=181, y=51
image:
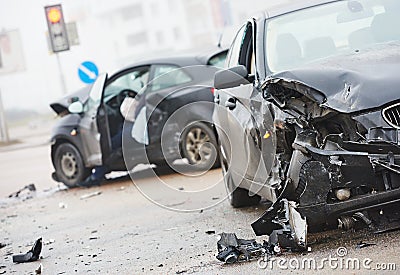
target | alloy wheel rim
x=198, y=145
x=69, y=165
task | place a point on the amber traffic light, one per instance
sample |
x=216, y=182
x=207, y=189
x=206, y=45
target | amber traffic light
x=57, y=30
x=54, y=15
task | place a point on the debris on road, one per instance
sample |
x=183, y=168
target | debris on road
x=93, y=194
x=2, y=245
x=364, y=244
x=62, y=205
x=170, y=229
x=210, y=232
x=39, y=269
x=30, y=187
x=49, y=241
x=93, y=237
x=30, y=256
x=232, y=250
x=284, y=226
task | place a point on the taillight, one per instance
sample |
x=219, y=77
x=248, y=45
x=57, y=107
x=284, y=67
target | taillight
x=212, y=90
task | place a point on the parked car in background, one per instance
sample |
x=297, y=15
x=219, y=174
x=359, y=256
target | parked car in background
x=81, y=139
x=310, y=106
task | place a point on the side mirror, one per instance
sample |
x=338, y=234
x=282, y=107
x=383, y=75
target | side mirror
x=75, y=107
x=230, y=78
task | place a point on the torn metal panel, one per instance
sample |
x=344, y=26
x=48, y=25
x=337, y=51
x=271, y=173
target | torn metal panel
x=285, y=226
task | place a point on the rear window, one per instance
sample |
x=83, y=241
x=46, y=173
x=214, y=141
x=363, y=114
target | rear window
x=166, y=76
x=218, y=60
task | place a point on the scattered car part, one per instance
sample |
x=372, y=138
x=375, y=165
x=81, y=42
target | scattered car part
x=30, y=256
x=39, y=269
x=93, y=194
x=30, y=187
x=62, y=205
x=232, y=250
x=364, y=244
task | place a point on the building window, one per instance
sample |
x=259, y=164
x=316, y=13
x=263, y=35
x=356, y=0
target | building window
x=131, y=12
x=136, y=39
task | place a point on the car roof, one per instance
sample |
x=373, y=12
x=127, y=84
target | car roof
x=182, y=60
x=291, y=6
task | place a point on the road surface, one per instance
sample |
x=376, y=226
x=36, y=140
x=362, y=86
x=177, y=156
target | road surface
x=138, y=226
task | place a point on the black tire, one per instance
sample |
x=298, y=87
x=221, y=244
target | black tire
x=69, y=165
x=199, y=146
x=238, y=197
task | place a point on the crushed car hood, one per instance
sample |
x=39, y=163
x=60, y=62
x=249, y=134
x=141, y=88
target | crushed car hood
x=61, y=106
x=350, y=83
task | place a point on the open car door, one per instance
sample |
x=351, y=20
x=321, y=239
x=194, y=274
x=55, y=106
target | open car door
x=94, y=127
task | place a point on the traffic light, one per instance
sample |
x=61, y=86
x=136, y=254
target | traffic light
x=57, y=30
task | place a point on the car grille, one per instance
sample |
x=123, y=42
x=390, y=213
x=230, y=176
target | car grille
x=392, y=115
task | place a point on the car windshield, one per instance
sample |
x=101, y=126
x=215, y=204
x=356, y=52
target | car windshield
x=303, y=36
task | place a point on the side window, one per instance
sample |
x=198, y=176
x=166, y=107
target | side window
x=95, y=93
x=246, y=54
x=234, y=51
x=166, y=76
x=134, y=80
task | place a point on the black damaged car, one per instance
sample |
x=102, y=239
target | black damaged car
x=308, y=117
x=91, y=117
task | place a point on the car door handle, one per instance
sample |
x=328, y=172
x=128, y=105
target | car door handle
x=230, y=103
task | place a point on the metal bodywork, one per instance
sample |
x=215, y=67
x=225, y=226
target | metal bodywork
x=162, y=103
x=324, y=136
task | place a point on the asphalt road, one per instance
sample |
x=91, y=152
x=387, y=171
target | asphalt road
x=151, y=224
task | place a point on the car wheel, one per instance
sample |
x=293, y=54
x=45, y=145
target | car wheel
x=69, y=165
x=199, y=146
x=238, y=197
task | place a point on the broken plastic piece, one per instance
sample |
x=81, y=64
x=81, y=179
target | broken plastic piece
x=30, y=256
x=39, y=269
x=231, y=249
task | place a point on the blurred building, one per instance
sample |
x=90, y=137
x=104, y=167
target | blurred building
x=111, y=34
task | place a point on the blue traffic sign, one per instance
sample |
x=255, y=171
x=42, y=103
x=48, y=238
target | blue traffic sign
x=88, y=72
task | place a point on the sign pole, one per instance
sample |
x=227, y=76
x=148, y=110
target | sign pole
x=62, y=80
x=3, y=125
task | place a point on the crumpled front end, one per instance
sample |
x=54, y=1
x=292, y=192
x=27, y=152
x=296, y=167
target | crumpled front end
x=341, y=169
